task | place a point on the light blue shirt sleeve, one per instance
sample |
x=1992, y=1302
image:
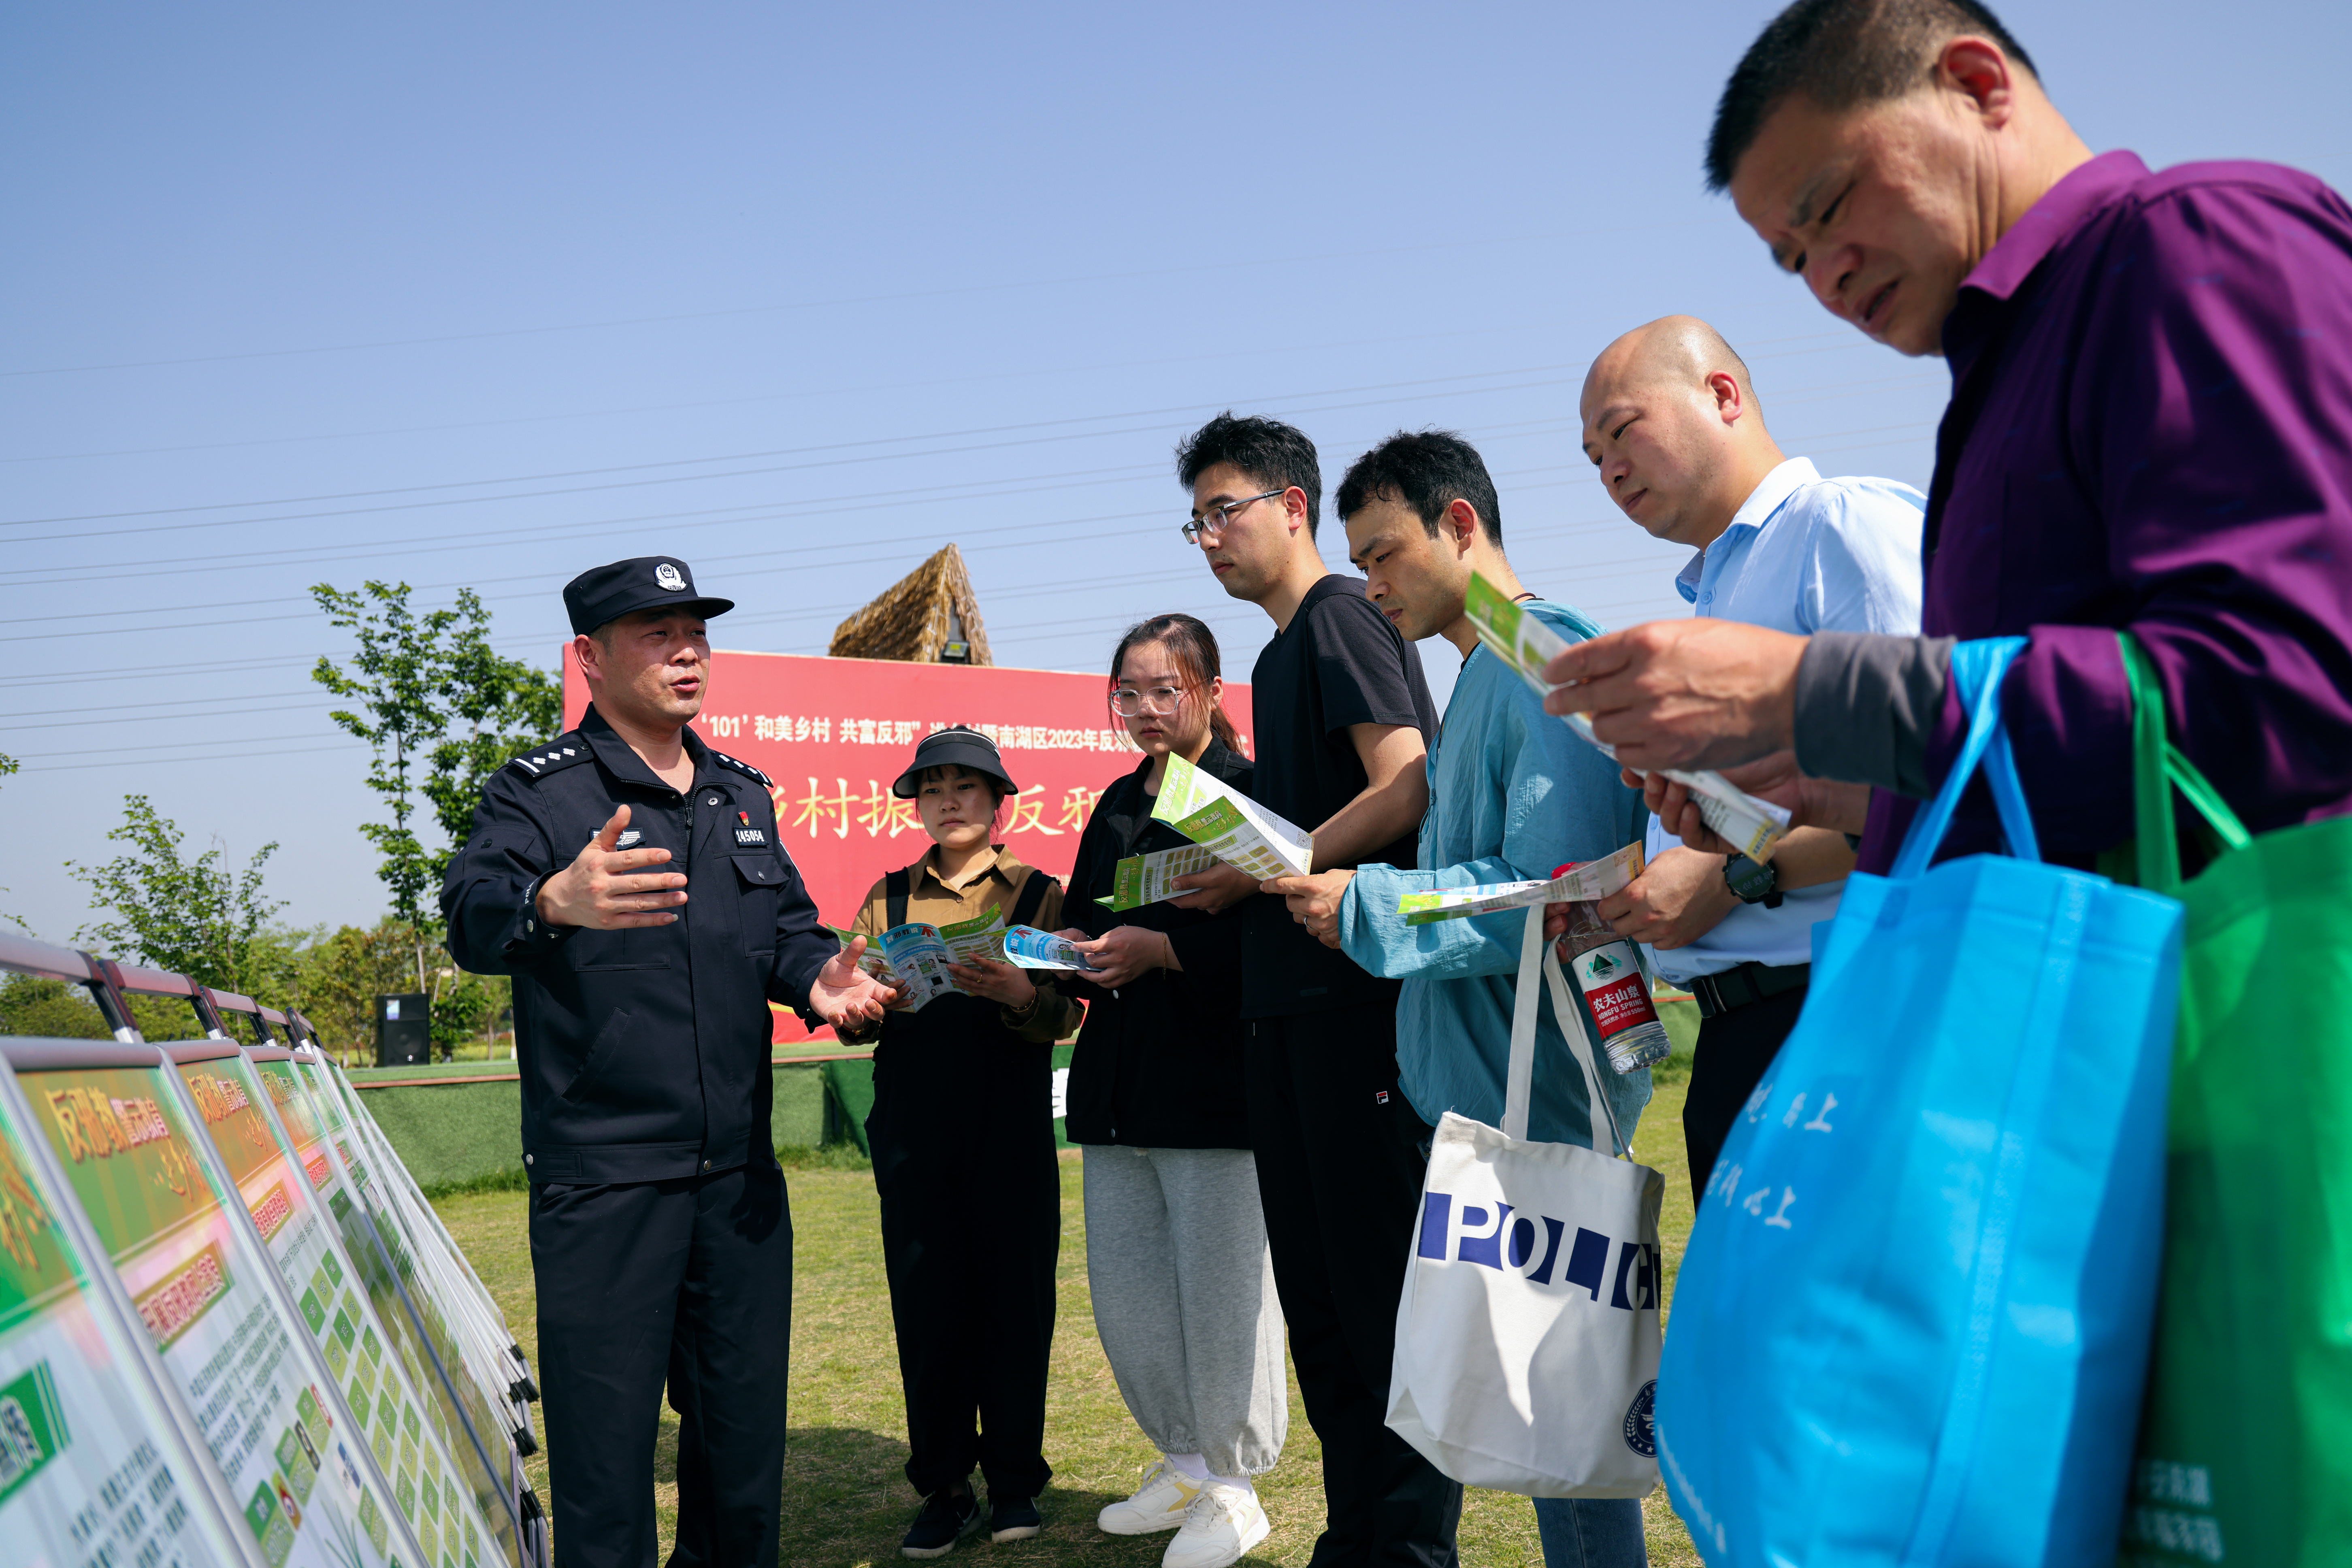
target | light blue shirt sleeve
x=1560, y=800
x=1861, y=570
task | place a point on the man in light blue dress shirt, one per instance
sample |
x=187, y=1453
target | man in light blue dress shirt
x=1672, y=421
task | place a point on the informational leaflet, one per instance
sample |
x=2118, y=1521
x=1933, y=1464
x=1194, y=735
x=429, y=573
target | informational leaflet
x=872, y=960
x=1230, y=826
x=1579, y=883
x=431, y=1481
x=92, y=1468
x=1142, y=880
x=1526, y=645
x=416, y=1333
x=1032, y=949
x=917, y=954
x=227, y=1339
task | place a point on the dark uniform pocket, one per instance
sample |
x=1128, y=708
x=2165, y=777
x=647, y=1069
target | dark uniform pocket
x=760, y=879
x=610, y=1043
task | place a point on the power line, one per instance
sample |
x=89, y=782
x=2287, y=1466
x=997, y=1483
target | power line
x=1279, y=398
x=241, y=710
x=167, y=762
x=173, y=746
x=475, y=535
x=784, y=508
x=1246, y=263
x=1221, y=355
x=791, y=451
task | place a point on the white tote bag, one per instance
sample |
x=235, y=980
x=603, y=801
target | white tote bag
x=1527, y=1341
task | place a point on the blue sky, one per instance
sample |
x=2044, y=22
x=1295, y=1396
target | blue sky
x=799, y=294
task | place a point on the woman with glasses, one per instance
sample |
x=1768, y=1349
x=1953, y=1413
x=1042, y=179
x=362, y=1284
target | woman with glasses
x=1176, y=1249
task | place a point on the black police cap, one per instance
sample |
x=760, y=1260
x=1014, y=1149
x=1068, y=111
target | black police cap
x=647, y=582
x=956, y=746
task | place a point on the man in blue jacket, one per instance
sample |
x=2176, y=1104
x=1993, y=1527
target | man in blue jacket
x=661, y=1243
x=1514, y=795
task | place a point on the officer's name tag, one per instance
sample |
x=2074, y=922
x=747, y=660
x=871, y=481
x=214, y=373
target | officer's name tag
x=629, y=835
x=750, y=835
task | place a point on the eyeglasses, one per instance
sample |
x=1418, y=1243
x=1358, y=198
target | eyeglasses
x=1129, y=703
x=1221, y=517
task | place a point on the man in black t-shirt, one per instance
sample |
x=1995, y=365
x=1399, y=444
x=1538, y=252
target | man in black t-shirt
x=1344, y=720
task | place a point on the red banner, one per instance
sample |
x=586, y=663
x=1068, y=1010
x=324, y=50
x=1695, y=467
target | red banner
x=832, y=734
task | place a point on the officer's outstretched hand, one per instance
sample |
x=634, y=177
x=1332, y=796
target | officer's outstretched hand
x=611, y=889
x=846, y=997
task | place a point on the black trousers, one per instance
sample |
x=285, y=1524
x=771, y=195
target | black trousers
x=688, y=1282
x=962, y=1139
x=1341, y=1156
x=1735, y=1051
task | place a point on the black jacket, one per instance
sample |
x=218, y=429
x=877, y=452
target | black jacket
x=644, y=1053
x=1159, y=1062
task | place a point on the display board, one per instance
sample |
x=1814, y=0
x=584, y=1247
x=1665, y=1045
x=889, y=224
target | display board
x=165, y=1211
x=460, y=1404
x=93, y=1466
x=832, y=733
x=454, y=1506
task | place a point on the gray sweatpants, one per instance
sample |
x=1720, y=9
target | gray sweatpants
x=1184, y=1301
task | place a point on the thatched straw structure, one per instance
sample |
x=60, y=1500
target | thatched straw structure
x=921, y=617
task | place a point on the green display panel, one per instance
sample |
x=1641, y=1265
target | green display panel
x=453, y=1404
x=230, y=1346
x=92, y=1467
x=434, y=1473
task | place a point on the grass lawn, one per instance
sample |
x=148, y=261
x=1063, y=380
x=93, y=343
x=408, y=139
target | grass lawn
x=845, y=1499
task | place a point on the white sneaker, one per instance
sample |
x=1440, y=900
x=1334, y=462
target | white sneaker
x=1223, y=1522
x=1160, y=1503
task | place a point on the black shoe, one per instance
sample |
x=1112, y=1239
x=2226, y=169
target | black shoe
x=946, y=1519
x=1014, y=1518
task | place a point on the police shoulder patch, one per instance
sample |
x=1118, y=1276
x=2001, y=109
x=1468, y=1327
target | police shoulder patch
x=746, y=769
x=567, y=750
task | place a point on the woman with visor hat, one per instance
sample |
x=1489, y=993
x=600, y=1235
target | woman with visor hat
x=961, y=1135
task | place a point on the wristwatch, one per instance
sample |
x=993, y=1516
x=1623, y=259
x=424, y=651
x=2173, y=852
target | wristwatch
x=1753, y=882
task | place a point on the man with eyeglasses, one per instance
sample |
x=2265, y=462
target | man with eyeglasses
x=1344, y=719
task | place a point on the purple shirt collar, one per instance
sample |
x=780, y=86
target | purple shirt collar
x=2082, y=191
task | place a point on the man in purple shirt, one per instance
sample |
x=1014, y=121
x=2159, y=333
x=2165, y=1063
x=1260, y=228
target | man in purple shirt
x=2150, y=429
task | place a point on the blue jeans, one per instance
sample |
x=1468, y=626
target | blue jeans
x=1591, y=1533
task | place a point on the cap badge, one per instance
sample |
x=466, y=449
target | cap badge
x=669, y=577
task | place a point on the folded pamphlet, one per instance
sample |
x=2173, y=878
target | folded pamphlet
x=981, y=937
x=1526, y=645
x=1230, y=826
x=1580, y=883
x=1142, y=879
x=872, y=961
x=1033, y=949
x=913, y=958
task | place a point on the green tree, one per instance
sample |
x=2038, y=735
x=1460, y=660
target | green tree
x=196, y=917
x=9, y=764
x=37, y=1005
x=504, y=706
x=440, y=709
x=343, y=974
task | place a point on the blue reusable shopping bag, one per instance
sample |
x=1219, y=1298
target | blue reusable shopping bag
x=1912, y=1321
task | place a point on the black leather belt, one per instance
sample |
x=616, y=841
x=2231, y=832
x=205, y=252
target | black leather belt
x=1748, y=983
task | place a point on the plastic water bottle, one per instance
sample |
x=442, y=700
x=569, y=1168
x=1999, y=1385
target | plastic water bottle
x=1618, y=993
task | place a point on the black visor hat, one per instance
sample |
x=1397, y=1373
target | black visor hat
x=647, y=582
x=958, y=746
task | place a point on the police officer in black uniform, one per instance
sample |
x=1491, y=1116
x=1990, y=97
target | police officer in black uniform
x=631, y=880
